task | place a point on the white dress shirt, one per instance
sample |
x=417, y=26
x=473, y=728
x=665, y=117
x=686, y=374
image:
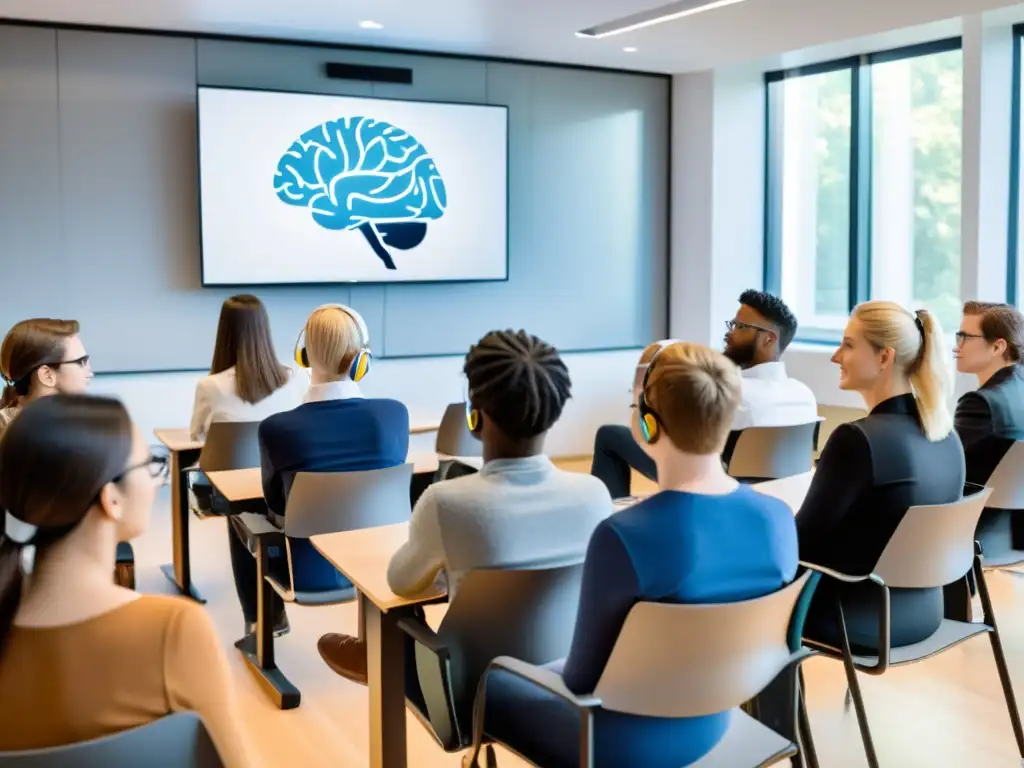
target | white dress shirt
x=217, y=400
x=770, y=398
x=343, y=389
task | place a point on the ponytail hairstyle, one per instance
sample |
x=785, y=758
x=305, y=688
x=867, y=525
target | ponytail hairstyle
x=29, y=346
x=917, y=341
x=55, y=458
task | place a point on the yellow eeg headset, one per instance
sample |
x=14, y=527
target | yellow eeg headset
x=650, y=422
x=360, y=363
x=472, y=414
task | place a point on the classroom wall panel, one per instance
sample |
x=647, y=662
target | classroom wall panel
x=99, y=214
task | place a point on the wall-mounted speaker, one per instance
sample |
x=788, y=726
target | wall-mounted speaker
x=337, y=70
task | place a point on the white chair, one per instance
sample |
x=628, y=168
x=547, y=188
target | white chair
x=932, y=547
x=768, y=453
x=528, y=614
x=455, y=441
x=688, y=661
x=1006, y=501
x=174, y=741
x=318, y=503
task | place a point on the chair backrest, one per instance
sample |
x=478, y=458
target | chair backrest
x=1007, y=480
x=175, y=741
x=331, y=502
x=933, y=544
x=454, y=437
x=527, y=614
x=231, y=445
x=692, y=660
x=768, y=453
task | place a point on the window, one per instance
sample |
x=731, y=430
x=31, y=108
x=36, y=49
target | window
x=1014, y=274
x=863, y=185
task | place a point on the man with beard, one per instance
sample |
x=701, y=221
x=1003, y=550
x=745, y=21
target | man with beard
x=755, y=340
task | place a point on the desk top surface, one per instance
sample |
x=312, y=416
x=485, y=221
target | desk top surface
x=178, y=439
x=363, y=557
x=247, y=484
x=238, y=484
x=791, y=490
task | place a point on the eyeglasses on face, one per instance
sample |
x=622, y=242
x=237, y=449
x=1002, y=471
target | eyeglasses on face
x=81, y=362
x=736, y=325
x=962, y=336
x=156, y=466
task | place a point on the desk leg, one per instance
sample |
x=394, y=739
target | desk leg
x=180, y=572
x=385, y=666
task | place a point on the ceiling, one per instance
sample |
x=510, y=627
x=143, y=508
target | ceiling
x=527, y=29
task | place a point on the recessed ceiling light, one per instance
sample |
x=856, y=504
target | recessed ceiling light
x=368, y=24
x=629, y=49
x=670, y=12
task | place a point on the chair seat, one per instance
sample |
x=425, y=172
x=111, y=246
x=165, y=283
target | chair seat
x=948, y=634
x=1004, y=559
x=325, y=597
x=747, y=742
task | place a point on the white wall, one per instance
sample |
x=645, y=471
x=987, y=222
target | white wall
x=718, y=191
x=601, y=382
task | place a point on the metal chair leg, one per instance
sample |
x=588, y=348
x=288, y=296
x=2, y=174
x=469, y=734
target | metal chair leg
x=1000, y=657
x=808, y=754
x=854, y=690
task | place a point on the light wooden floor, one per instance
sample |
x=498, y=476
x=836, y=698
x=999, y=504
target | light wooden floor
x=946, y=712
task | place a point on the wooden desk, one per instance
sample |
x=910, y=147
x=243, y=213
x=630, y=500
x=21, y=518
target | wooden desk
x=363, y=557
x=238, y=485
x=791, y=490
x=242, y=485
x=184, y=452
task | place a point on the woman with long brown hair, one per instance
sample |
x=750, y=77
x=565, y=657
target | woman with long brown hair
x=81, y=657
x=41, y=357
x=246, y=381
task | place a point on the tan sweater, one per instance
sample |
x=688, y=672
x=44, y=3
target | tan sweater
x=122, y=669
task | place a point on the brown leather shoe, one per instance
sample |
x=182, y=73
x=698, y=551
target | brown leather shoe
x=345, y=654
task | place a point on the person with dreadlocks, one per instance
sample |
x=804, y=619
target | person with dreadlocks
x=519, y=510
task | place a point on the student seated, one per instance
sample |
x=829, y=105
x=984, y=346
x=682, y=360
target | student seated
x=518, y=511
x=38, y=358
x=903, y=454
x=703, y=538
x=246, y=381
x=335, y=430
x=81, y=658
x=755, y=340
x=990, y=344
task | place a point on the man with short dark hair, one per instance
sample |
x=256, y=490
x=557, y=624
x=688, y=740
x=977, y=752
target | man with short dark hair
x=755, y=339
x=990, y=345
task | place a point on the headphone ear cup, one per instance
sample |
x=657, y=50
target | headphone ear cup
x=360, y=366
x=301, y=357
x=473, y=419
x=649, y=427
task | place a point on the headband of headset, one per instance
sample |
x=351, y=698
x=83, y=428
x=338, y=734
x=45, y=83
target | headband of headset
x=361, y=362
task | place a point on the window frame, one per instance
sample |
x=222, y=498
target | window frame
x=859, y=251
x=1013, y=220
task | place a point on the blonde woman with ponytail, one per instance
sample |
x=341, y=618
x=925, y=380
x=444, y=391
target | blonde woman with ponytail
x=903, y=453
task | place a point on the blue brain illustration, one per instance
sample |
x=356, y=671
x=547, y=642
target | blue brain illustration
x=358, y=173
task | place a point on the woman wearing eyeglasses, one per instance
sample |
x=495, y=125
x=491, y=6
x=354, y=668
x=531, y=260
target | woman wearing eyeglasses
x=41, y=357
x=80, y=657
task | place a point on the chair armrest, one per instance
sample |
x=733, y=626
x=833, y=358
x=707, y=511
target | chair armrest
x=425, y=636
x=544, y=678
x=257, y=525
x=843, y=577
